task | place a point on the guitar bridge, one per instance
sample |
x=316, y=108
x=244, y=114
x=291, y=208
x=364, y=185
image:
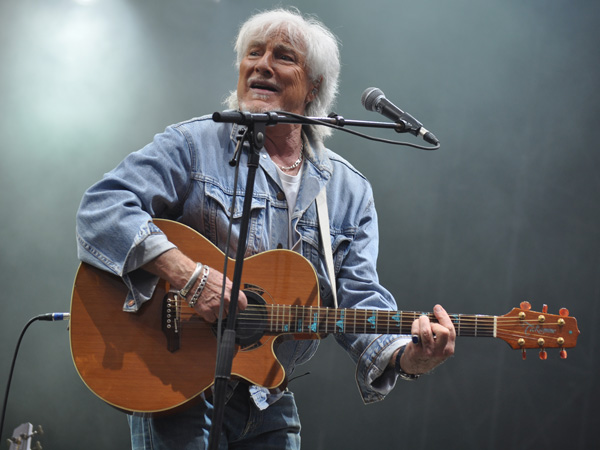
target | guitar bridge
x=171, y=320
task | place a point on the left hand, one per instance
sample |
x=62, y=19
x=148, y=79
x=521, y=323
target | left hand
x=436, y=343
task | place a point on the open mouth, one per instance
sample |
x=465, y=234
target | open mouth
x=263, y=86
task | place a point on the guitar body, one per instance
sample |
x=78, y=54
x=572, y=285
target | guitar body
x=124, y=357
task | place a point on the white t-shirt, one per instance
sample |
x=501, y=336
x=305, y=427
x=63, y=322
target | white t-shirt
x=290, y=185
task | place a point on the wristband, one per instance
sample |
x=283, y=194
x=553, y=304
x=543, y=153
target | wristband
x=398, y=369
x=200, y=287
x=186, y=289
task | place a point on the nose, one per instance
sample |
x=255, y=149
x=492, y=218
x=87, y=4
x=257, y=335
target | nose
x=264, y=64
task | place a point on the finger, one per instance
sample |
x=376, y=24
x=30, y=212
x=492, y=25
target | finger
x=242, y=301
x=426, y=332
x=441, y=335
x=447, y=330
x=415, y=331
x=444, y=320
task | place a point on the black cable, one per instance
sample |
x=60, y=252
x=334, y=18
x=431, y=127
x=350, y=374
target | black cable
x=356, y=133
x=49, y=316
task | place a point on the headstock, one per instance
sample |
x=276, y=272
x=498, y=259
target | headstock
x=22, y=435
x=524, y=329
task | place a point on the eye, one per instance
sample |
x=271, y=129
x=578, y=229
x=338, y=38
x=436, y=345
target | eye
x=287, y=56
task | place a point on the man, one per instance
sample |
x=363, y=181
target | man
x=290, y=63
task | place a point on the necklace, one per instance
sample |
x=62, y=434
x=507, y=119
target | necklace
x=296, y=164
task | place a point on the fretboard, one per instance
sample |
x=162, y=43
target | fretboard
x=281, y=319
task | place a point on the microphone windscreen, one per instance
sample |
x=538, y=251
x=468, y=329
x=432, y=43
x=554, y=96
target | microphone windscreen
x=370, y=98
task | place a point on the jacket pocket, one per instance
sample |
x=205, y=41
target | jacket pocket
x=219, y=212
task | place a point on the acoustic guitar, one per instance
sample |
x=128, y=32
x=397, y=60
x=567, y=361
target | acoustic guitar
x=163, y=356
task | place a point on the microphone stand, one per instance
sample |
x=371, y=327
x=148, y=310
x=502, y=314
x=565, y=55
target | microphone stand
x=256, y=123
x=273, y=118
x=226, y=343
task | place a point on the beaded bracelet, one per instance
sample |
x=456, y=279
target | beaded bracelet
x=200, y=287
x=401, y=373
x=192, y=281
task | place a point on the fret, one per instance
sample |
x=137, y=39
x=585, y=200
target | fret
x=278, y=319
x=351, y=323
x=295, y=319
x=457, y=323
x=363, y=324
x=488, y=328
x=474, y=325
x=300, y=320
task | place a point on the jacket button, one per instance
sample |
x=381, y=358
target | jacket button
x=280, y=196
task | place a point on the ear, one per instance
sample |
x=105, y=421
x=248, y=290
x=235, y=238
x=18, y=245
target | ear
x=315, y=90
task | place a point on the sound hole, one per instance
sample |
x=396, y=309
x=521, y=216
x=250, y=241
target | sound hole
x=251, y=322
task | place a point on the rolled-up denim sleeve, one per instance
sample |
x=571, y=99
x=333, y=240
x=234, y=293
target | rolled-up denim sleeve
x=358, y=287
x=115, y=231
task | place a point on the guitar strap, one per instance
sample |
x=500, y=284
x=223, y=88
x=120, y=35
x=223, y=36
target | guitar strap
x=323, y=215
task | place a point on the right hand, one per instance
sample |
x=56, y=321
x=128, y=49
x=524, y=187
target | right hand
x=209, y=302
x=176, y=268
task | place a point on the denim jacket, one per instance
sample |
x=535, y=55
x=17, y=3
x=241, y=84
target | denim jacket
x=185, y=175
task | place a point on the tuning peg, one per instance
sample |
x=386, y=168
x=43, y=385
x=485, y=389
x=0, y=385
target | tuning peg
x=563, y=354
x=524, y=354
x=545, y=309
x=543, y=355
x=564, y=312
x=526, y=306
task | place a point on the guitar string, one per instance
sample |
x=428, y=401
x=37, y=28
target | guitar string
x=330, y=315
x=475, y=332
x=481, y=324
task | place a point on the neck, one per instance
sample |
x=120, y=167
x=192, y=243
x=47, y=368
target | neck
x=284, y=141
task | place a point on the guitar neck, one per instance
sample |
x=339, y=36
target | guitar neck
x=282, y=319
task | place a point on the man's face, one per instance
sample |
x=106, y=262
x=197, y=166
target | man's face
x=273, y=77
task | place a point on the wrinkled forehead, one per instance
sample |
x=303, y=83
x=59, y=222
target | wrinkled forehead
x=286, y=35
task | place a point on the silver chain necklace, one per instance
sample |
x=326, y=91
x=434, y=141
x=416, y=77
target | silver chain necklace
x=296, y=164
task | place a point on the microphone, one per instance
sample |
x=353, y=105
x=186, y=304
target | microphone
x=373, y=99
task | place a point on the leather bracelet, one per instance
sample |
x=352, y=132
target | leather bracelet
x=192, y=281
x=398, y=369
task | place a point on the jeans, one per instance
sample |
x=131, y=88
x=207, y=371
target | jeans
x=244, y=426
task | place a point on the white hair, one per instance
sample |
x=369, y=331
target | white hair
x=309, y=36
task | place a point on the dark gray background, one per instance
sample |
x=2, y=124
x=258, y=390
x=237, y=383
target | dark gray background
x=506, y=211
